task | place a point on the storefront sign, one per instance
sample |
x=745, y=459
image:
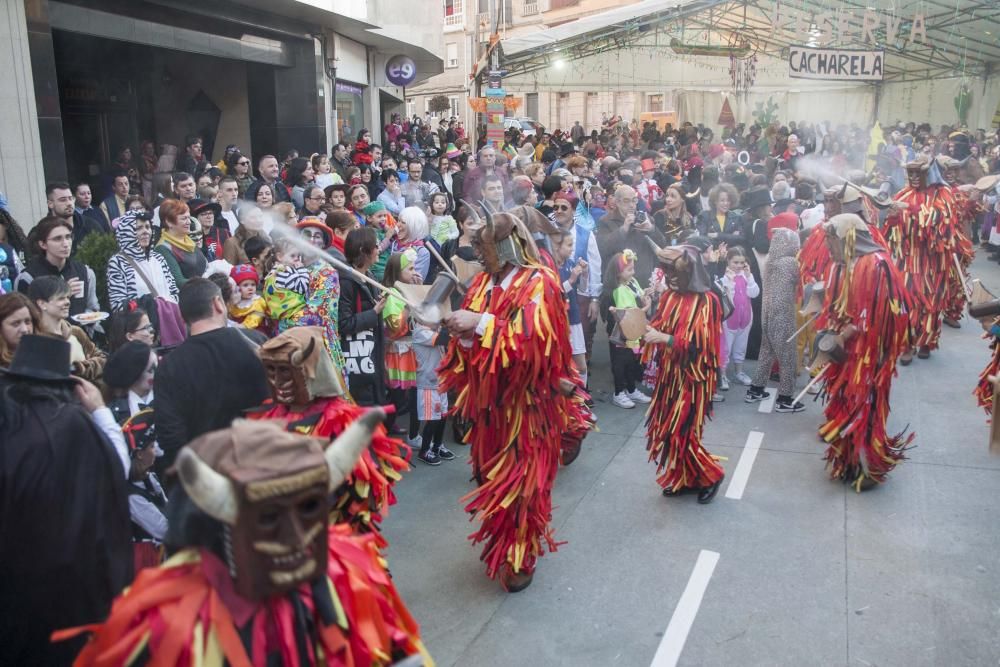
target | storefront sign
x=400, y=71
x=349, y=88
x=835, y=64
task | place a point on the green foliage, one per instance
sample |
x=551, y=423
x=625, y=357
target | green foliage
x=439, y=103
x=962, y=103
x=95, y=251
x=766, y=114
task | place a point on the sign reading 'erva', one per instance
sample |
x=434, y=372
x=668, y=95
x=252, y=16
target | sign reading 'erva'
x=835, y=64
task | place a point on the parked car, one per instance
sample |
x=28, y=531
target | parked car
x=529, y=127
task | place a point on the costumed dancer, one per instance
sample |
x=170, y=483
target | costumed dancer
x=984, y=388
x=965, y=213
x=684, y=338
x=865, y=316
x=510, y=363
x=922, y=234
x=307, y=395
x=259, y=576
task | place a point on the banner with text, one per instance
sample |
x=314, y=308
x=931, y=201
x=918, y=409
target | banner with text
x=805, y=62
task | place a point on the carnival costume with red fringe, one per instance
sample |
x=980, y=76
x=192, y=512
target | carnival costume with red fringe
x=965, y=212
x=186, y=613
x=984, y=388
x=682, y=396
x=868, y=293
x=509, y=384
x=923, y=236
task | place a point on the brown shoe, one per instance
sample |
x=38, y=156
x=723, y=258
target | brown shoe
x=924, y=352
x=514, y=582
x=954, y=324
x=906, y=358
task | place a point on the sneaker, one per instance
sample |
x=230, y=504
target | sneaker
x=429, y=457
x=639, y=397
x=743, y=379
x=724, y=383
x=718, y=398
x=784, y=404
x=622, y=400
x=445, y=454
x=415, y=443
x=754, y=394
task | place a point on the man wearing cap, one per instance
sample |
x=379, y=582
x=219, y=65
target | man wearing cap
x=922, y=231
x=66, y=550
x=647, y=187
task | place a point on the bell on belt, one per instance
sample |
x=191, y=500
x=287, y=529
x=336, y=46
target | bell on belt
x=812, y=298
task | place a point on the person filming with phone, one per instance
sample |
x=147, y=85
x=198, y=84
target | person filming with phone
x=624, y=227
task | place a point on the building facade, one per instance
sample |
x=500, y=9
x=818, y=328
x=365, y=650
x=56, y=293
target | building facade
x=91, y=77
x=464, y=34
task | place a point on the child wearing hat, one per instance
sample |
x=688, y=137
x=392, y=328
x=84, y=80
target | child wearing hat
x=248, y=308
x=377, y=217
x=400, y=359
x=147, y=502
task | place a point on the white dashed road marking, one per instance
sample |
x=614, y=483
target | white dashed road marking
x=672, y=643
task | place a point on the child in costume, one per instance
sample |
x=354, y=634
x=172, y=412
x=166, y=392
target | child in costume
x=249, y=309
x=564, y=245
x=432, y=404
x=286, y=286
x=400, y=360
x=684, y=337
x=377, y=217
x=622, y=291
x=739, y=283
x=443, y=225
x=146, y=499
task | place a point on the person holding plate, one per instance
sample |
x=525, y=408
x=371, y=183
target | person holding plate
x=51, y=295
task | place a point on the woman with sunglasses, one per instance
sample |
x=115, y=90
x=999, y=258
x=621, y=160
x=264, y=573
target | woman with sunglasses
x=238, y=166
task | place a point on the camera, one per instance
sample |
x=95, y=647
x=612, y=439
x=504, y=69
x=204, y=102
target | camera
x=640, y=217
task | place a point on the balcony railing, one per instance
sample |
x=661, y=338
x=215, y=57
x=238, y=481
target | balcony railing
x=529, y=8
x=457, y=16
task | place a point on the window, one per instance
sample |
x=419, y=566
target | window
x=451, y=55
x=454, y=13
x=453, y=102
x=529, y=7
x=656, y=103
x=411, y=108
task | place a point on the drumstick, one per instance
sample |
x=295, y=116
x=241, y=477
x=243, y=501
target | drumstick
x=816, y=379
x=802, y=328
x=444, y=264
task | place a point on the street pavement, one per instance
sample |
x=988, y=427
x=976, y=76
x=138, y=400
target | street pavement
x=785, y=567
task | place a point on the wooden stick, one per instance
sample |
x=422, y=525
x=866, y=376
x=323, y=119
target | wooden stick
x=803, y=327
x=961, y=276
x=444, y=264
x=816, y=379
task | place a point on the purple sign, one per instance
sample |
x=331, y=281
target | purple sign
x=400, y=70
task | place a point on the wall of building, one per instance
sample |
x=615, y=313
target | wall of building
x=223, y=81
x=22, y=178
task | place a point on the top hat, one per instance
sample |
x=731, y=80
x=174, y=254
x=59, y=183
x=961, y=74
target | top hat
x=199, y=206
x=40, y=358
x=756, y=197
x=567, y=150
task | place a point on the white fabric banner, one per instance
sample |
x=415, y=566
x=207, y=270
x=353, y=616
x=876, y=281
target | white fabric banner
x=835, y=64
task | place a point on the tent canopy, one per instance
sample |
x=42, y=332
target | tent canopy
x=963, y=38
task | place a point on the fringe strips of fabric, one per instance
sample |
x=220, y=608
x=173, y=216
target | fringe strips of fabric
x=956, y=299
x=507, y=384
x=872, y=296
x=174, y=615
x=685, y=381
x=984, y=388
x=923, y=237
x=365, y=497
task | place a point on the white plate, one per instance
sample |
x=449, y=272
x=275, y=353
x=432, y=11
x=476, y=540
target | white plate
x=90, y=318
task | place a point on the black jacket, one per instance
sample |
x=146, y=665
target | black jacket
x=203, y=385
x=39, y=266
x=612, y=239
x=356, y=315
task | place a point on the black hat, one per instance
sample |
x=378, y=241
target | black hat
x=548, y=155
x=336, y=187
x=199, y=206
x=754, y=198
x=567, y=149
x=140, y=430
x=702, y=243
x=125, y=366
x=40, y=358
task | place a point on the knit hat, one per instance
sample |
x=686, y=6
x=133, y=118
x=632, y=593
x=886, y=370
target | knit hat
x=242, y=272
x=373, y=208
x=787, y=220
x=451, y=151
x=127, y=363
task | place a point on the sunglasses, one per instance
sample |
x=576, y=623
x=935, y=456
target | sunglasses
x=148, y=329
x=244, y=162
x=562, y=208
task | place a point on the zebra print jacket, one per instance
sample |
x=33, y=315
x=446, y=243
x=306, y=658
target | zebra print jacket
x=124, y=284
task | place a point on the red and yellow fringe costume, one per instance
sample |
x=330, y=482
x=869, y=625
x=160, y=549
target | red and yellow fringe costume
x=186, y=613
x=365, y=497
x=923, y=237
x=507, y=384
x=984, y=388
x=872, y=297
x=965, y=211
x=685, y=381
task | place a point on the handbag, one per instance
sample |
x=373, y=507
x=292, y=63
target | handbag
x=169, y=323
